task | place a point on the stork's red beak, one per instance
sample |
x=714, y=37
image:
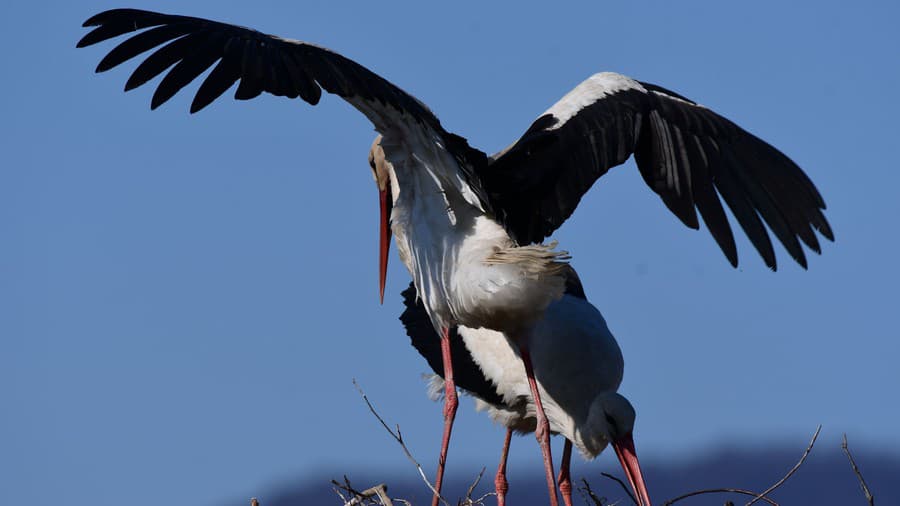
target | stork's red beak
x=624, y=447
x=385, y=238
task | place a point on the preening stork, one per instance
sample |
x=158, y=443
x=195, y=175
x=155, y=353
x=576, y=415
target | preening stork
x=578, y=367
x=469, y=226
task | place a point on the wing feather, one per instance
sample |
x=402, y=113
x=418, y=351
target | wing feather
x=262, y=63
x=686, y=153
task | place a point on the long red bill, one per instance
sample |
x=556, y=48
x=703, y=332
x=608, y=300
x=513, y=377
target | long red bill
x=385, y=238
x=624, y=447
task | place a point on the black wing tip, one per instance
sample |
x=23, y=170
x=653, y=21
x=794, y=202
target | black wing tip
x=826, y=231
x=732, y=258
x=104, y=16
x=103, y=66
x=96, y=19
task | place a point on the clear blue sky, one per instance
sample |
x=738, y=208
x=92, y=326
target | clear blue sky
x=182, y=307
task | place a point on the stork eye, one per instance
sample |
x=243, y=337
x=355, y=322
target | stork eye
x=613, y=427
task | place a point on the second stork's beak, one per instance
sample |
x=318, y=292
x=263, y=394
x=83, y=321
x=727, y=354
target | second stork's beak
x=624, y=447
x=384, y=246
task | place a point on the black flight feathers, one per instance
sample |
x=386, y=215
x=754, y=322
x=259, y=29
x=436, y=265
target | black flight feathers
x=687, y=154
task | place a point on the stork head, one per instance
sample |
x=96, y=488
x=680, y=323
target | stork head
x=611, y=421
x=381, y=170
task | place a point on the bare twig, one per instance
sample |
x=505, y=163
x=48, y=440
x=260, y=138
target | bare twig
x=468, y=501
x=792, y=471
x=365, y=497
x=338, y=492
x=379, y=491
x=590, y=495
x=756, y=497
x=611, y=477
x=480, y=500
x=474, y=484
x=399, y=438
x=721, y=491
x=346, y=487
x=862, y=483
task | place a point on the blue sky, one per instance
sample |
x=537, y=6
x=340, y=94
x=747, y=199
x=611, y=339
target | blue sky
x=184, y=306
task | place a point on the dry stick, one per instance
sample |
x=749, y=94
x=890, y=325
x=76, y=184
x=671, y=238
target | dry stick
x=611, y=477
x=346, y=487
x=468, y=500
x=474, y=484
x=721, y=491
x=586, y=489
x=792, y=471
x=380, y=491
x=862, y=483
x=399, y=438
x=756, y=497
x=471, y=502
x=336, y=491
x=360, y=498
x=481, y=499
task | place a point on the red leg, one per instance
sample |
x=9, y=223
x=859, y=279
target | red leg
x=565, y=481
x=500, y=483
x=542, y=432
x=450, y=404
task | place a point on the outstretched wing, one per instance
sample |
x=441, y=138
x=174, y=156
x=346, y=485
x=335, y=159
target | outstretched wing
x=686, y=153
x=189, y=46
x=262, y=63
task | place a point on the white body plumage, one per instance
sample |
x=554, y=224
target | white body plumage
x=578, y=367
x=467, y=269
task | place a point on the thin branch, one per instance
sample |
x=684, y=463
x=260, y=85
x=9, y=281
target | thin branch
x=756, y=497
x=792, y=471
x=468, y=501
x=347, y=487
x=721, y=491
x=364, y=497
x=399, y=438
x=862, y=483
x=379, y=491
x=586, y=490
x=338, y=492
x=611, y=477
x=481, y=499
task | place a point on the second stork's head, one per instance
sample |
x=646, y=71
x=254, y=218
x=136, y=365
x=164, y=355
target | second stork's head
x=381, y=170
x=611, y=421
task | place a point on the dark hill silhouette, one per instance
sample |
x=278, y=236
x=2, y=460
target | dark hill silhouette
x=824, y=479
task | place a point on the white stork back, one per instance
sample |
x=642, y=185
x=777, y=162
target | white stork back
x=467, y=268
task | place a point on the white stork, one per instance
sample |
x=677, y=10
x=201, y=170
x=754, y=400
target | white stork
x=468, y=226
x=578, y=367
